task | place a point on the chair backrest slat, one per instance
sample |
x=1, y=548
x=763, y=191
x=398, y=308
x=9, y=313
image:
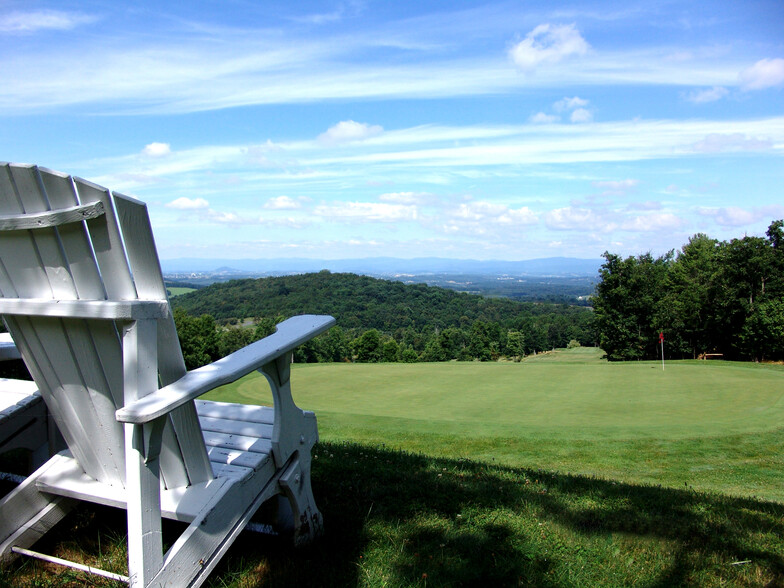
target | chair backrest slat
x=79, y=362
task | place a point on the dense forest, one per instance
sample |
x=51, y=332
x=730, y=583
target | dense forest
x=378, y=320
x=722, y=297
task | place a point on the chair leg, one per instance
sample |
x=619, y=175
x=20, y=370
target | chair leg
x=308, y=522
x=26, y=514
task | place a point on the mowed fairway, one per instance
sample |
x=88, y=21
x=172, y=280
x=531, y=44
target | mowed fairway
x=709, y=425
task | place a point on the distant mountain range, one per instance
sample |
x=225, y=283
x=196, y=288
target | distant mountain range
x=388, y=266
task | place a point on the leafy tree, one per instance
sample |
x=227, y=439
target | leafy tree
x=199, y=338
x=625, y=303
x=368, y=348
x=234, y=338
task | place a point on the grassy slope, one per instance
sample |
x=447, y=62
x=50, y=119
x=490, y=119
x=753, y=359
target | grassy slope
x=520, y=517
x=712, y=426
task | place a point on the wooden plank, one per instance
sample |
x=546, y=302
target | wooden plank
x=107, y=243
x=198, y=550
x=25, y=275
x=245, y=459
x=233, y=427
x=28, y=514
x=290, y=334
x=96, y=442
x=61, y=193
x=134, y=223
x=53, y=218
x=88, y=309
x=238, y=442
x=46, y=243
x=69, y=480
x=239, y=412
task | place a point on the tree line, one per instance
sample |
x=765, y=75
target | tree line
x=723, y=297
x=377, y=320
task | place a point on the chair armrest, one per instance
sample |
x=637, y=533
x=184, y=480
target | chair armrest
x=289, y=334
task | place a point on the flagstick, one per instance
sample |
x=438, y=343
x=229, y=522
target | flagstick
x=662, y=347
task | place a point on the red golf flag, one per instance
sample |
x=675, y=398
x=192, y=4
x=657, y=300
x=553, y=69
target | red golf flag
x=661, y=337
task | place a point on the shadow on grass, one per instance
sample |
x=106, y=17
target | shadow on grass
x=397, y=519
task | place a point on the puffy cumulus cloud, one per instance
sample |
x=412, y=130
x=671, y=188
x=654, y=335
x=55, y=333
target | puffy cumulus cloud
x=707, y=95
x=157, y=149
x=766, y=73
x=573, y=218
x=287, y=222
x=281, y=203
x=718, y=143
x=660, y=222
x=188, y=204
x=577, y=107
x=349, y=131
x=541, y=118
x=224, y=218
x=36, y=20
x=581, y=115
x=485, y=218
x=570, y=104
x=548, y=43
x=734, y=216
x=367, y=211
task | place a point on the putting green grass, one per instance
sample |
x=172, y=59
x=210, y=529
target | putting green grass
x=711, y=425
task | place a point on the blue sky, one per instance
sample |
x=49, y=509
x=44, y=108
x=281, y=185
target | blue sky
x=484, y=130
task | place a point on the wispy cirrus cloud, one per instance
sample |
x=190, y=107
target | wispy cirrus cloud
x=766, y=73
x=31, y=21
x=707, y=95
x=732, y=142
x=366, y=211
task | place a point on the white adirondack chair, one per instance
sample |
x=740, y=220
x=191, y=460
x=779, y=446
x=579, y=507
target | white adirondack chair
x=84, y=299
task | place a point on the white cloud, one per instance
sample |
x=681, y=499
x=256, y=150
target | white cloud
x=367, y=211
x=281, y=203
x=707, y=95
x=734, y=216
x=720, y=143
x=766, y=73
x=483, y=217
x=36, y=20
x=225, y=218
x=157, y=149
x=420, y=198
x=661, y=222
x=188, y=204
x=570, y=104
x=548, y=44
x=349, y=131
x=573, y=219
x=616, y=187
x=581, y=115
x=540, y=118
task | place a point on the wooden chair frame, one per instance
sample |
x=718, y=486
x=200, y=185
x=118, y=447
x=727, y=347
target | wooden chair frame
x=83, y=296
